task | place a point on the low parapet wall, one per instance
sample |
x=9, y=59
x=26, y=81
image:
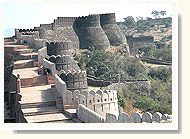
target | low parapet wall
x=88, y=116
x=39, y=43
x=42, y=53
x=100, y=101
x=49, y=65
x=97, y=83
x=60, y=85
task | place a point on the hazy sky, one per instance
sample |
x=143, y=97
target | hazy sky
x=30, y=13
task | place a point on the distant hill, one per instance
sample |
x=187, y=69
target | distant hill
x=9, y=32
x=160, y=28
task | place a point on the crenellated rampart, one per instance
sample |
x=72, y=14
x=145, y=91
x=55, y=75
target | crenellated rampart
x=60, y=48
x=98, y=101
x=75, y=80
x=93, y=30
x=90, y=32
x=63, y=21
x=88, y=116
x=64, y=62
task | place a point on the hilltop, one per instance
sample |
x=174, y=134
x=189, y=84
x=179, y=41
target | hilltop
x=159, y=28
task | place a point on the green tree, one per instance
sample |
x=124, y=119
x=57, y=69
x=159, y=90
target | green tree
x=121, y=100
x=162, y=13
x=146, y=104
x=155, y=14
x=135, y=68
x=148, y=49
x=129, y=21
x=160, y=73
x=163, y=54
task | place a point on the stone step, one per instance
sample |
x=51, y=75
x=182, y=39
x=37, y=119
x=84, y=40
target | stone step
x=34, y=81
x=57, y=117
x=60, y=121
x=40, y=111
x=37, y=95
x=25, y=51
x=28, y=56
x=71, y=112
x=38, y=104
x=51, y=82
x=17, y=46
x=24, y=64
x=26, y=72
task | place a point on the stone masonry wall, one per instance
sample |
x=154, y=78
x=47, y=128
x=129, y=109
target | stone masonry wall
x=90, y=32
x=88, y=116
x=99, y=101
x=112, y=30
x=135, y=43
x=64, y=62
x=75, y=80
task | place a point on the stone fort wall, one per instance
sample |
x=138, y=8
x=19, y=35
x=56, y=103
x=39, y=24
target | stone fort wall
x=112, y=30
x=89, y=116
x=75, y=79
x=64, y=62
x=60, y=48
x=92, y=30
x=99, y=101
x=136, y=42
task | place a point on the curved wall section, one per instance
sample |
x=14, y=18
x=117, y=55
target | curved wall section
x=112, y=30
x=90, y=32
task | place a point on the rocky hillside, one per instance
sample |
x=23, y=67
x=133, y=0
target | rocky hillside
x=160, y=28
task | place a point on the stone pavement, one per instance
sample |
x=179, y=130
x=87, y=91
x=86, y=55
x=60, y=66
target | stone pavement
x=26, y=72
x=37, y=103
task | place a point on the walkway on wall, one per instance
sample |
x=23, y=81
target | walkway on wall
x=37, y=103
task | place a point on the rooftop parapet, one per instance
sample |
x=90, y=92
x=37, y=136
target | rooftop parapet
x=64, y=21
x=26, y=30
x=90, y=20
x=108, y=18
x=56, y=48
x=46, y=26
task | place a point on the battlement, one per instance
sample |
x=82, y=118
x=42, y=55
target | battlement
x=46, y=26
x=64, y=62
x=101, y=101
x=90, y=20
x=89, y=116
x=58, y=59
x=75, y=79
x=26, y=30
x=108, y=18
x=64, y=21
x=59, y=48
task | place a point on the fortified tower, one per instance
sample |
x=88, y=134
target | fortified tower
x=60, y=48
x=61, y=53
x=62, y=30
x=75, y=80
x=43, y=30
x=90, y=32
x=112, y=30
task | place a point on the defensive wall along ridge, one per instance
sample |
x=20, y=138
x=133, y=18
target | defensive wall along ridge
x=98, y=30
x=89, y=116
x=102, y=106
x=99, y=101
x=58, y=42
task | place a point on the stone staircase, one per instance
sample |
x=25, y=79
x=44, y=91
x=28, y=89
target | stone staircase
x=37, y=103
